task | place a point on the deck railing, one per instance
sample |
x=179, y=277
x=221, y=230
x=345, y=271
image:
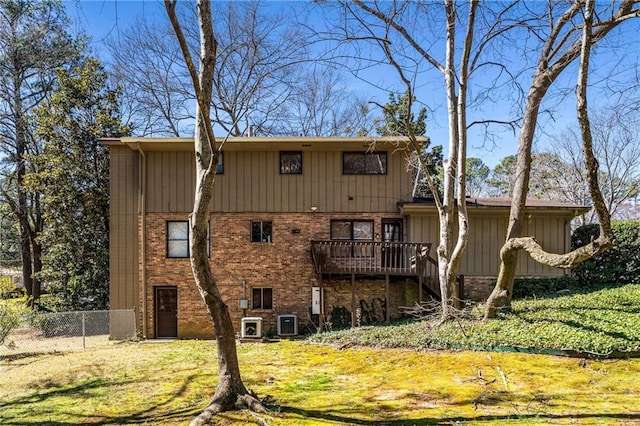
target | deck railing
x=372, y=257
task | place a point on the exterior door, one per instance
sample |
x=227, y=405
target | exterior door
x=166, y=312
x=391, y=253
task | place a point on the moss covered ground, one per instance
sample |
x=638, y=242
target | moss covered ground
x=386, y=375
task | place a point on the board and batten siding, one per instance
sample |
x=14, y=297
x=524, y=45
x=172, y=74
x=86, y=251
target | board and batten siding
x=487, y=234
x=123, y=229
x=252, y=182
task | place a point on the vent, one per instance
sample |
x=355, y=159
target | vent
x=251, y=328
x=287, y=325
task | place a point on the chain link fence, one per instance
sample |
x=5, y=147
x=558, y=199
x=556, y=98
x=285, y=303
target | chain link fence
x=63, y=331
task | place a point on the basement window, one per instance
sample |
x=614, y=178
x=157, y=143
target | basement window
x=261, y=232
x=262, y=298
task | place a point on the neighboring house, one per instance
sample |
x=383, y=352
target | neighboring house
x=302, y=230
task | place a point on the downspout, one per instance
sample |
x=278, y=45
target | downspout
x=142, y=209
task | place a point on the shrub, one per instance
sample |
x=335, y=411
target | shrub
x=340, y=318
x=6, y=286
x=536, y=287
x=620, y=264
x=10, y=314
x=7, y=323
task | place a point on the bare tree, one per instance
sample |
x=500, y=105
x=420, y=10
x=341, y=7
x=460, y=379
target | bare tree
x=147, y=65
x=261, y=50
x=320, y=105
x=617, y=148
x=556, y=55
x=231, y=392
x=500, y=45
x=552, y=178
x=413, y=37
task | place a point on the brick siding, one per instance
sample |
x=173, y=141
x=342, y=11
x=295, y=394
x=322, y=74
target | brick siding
x=285, y=265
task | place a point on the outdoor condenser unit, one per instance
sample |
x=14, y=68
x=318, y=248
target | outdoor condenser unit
x=287, y=325
x=251, y=328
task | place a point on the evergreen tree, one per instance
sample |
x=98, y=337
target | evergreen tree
x=398, y=119
x=73, y=174
x=33, y=42
x=477, y=177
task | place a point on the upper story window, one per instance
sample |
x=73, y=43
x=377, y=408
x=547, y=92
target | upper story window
x=261, y=232
x=364, y=163
x=178, y=239
x=290, y=162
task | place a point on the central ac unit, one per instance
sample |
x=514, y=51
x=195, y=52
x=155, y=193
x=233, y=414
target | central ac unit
x=287, y=325
x=251, y=328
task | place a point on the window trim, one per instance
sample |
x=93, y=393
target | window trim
x=169, y=240
x=262, y=299
x=282, y=172
x=261, y=222
x=365, y=154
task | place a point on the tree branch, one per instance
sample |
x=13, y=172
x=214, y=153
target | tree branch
x=208, y=43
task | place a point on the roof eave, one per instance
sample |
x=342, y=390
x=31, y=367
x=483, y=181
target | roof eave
x=425, y=209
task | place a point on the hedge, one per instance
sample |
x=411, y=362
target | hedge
x=620, y=265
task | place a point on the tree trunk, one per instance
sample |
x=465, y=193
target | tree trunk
x=25, y=257
x=546, y=73
x=36, y=249
x=20, y=205
x=503, y=291
x=230, y=391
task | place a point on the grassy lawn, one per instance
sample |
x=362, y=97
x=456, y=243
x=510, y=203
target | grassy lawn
x=599, y=321
x=168, y=383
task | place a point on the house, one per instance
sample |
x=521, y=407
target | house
x=302, y=230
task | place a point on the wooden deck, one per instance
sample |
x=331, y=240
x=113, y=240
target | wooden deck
x=371, y=257
x=376, y=258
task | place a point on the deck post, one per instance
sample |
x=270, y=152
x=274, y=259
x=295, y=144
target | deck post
x=353, y=299
x=420, y=288
x=387, y=292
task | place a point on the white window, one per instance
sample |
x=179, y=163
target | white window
x=178, y=239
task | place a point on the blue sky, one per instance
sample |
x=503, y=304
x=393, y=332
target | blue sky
x=104, y=18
